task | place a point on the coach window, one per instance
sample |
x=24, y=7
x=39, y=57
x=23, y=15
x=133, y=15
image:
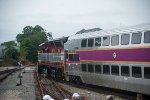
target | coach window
x=136, y=38
x=71, y=57
x=90, y=68
x=106, y=69
x=115, y=70
x=125, y=39
x=90, y=42
x=124, y=70
x=83, y=67
x=97, y=42
x=97, y=68
x=147, y=37
x=136, y=71
x=115, y=40
x=83, y=43
x=147, y=72
x=76, y=57
x=106, y=41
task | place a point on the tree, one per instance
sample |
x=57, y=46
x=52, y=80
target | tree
x=38, y=28
x=27, y=30
x=9, y=43
x=11, y=53
x=49, y=36
x=11, y=50
x=29, y=41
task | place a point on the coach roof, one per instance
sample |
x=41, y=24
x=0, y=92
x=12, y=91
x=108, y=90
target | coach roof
x=120, y=30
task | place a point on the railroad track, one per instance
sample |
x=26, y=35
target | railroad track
x=4, y=74
x=50, y=87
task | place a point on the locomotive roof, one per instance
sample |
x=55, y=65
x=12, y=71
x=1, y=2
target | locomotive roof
x=55, y=42
x=121, y=30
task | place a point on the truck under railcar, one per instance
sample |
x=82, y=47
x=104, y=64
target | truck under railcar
x=51, y=58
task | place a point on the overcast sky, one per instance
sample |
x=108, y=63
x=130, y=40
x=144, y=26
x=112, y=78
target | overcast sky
x=66, y=17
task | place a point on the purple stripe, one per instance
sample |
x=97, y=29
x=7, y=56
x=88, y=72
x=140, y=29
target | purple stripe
x=137, y=55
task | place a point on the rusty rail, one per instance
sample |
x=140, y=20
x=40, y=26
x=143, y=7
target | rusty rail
x=39, y=84
x=60, y=89
x=43, y=90
x=51, y=94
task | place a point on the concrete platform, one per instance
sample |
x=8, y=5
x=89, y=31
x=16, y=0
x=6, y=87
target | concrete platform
x=26, y=91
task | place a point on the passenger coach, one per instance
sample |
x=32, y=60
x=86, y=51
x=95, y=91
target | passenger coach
x=118, y=58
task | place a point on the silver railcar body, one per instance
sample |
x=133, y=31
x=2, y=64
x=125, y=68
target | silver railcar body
x=118, y=58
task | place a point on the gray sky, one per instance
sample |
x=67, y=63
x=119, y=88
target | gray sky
x=66, y=17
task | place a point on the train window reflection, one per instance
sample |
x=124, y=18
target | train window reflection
x=124, y=70
x=97, y=42
x=106, y=69
x=115, y=40
x=90, y=42
x=136, y=71
x=147, y=72
x=83, y=43
x=83, y=67
x=115, y=70
x=106, y=41
x=125, y=39
x=97, y=68
x=90, y=68
x=147, y=37
x=136, y=38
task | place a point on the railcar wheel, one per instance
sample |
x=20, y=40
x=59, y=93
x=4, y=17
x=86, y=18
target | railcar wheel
x=40, y=69
x=58, y=74
x=78, y=80
x=75, y=79
x=49, y=71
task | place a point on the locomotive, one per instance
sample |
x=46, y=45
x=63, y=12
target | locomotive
x=51, y=58
x=117, y=58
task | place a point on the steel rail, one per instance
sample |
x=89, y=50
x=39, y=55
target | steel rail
x=4, y=74
x=39, y=84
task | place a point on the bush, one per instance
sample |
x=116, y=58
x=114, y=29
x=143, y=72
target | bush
x=10, y=62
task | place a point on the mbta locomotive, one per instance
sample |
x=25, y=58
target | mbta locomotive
x=117, y=58
x=51, y=58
